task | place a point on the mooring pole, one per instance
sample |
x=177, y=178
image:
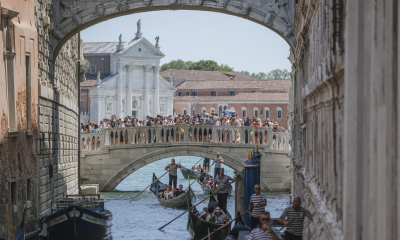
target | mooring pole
x=251, y=178
x=10, y=221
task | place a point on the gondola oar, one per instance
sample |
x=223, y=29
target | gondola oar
x=285, y=226
x=148, y=187
x=190, y=184
x=226, y=224
x=198, y=162
x=192, y=207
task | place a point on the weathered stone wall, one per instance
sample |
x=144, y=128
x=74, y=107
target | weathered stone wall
x=58, y=112
x=319, y=113
x=18, y=112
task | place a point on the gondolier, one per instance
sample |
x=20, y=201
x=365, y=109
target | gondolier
x=258, y=201
x=221, y=185
x=295, y=218
x=173, y=173
x=217, y=161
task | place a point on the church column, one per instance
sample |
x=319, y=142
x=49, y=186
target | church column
x=119, y=91
x=141, y=115
x=129, y=80
x=146, y=91
x=156, y=80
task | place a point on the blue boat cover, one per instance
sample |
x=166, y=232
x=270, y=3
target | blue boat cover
x=157, y=187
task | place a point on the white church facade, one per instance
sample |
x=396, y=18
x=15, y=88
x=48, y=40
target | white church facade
x=123, y=80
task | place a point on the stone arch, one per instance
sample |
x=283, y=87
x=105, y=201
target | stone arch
x=229, y=160
x=71, y=16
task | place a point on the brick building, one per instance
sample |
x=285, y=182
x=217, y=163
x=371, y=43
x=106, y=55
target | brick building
x=212, y=91
x=18, y=109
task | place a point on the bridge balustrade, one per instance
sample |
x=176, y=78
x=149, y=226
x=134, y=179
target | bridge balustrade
x=190, y=134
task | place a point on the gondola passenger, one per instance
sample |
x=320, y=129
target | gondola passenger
x=205, y=215
x=179, y=191
x=168, y=194
x=219, y=216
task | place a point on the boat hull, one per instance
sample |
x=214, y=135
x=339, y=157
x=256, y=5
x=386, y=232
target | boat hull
x=209, y=191
x=91, y=225
x=178, y=202
x=199, y=228
x=189, y=173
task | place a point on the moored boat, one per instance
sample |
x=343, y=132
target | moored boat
x=199, y=228
x=181, y=201
x=79, y=217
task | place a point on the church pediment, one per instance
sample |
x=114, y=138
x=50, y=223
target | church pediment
x=140, y=48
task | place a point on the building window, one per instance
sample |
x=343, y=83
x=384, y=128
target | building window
x=194, y=93
x=28, y=189
x=266, y=112
x=28, y=90
x=193, y=111
x=179, y=93
x=14, y=193
x=244, y=113
x=279, y=112
x=204, y=110
x=232, y=93
x=213, y=93
x=213, y=109
x=252, y=91
x=184, y=112
x=92, y=69
x=256, y=111
x=187, y=94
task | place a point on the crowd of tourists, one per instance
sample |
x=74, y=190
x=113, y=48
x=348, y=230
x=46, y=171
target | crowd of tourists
x=198, y=131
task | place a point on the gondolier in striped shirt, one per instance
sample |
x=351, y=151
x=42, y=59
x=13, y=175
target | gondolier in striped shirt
x=264, y=230
x=295, y=218
x=217, y=161
x=221, y=185
x=258, y=201
x=173, y=173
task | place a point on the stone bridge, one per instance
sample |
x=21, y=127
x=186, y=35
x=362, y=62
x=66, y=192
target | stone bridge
x=107, y=161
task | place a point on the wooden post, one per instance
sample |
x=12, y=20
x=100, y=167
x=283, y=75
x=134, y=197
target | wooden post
x=10, y=221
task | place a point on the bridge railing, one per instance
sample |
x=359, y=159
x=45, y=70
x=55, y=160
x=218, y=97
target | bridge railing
x=190, y=134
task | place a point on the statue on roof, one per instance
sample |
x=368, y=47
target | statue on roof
x=120, y=39
x=157, y=39
x=139, y=26
x=98, y=77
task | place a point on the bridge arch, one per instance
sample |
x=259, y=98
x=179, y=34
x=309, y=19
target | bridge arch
x=71, y=16
x=229, y=159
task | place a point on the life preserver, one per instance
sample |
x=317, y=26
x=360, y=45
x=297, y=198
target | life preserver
x=70, y=208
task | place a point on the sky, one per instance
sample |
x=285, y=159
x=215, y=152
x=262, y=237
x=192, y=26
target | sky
x=199, y=35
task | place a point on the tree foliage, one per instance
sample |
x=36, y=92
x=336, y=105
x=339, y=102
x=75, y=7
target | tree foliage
x=203, y=65
x=275, y=74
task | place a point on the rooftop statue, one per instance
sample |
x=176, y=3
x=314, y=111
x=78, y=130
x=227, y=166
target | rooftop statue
x=139, y=26
x=157, y=39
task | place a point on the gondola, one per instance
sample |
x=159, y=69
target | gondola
x=200, y=228
x=208, y=191
x=189, y=173
x=79, y=217
x=179, y=202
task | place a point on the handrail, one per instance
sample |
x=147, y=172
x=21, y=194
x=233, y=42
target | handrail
x=190, y=134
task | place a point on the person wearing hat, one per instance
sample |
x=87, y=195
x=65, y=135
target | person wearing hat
x=219, y=215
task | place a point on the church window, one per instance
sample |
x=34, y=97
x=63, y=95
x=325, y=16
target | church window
x=92, y=69
x=140, y=49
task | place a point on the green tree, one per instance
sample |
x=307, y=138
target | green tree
x=203, y=65
x=175, y=64
x=275, y=74
x=278, y=74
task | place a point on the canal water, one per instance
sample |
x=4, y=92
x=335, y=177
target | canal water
x=141, y=218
